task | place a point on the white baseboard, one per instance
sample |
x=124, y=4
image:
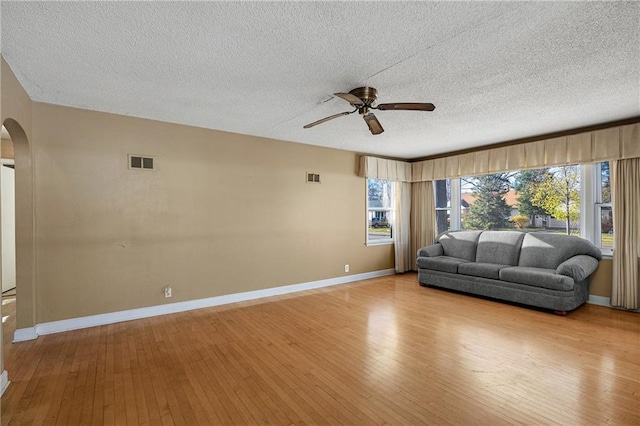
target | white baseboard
x=4, y=382
x=31, y=333
x=23, y=334
x=606, y=301
x=599, y=300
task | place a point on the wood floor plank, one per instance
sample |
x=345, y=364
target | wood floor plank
x=381, y=351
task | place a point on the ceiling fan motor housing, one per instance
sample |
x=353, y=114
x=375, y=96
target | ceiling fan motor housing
x=368, y=95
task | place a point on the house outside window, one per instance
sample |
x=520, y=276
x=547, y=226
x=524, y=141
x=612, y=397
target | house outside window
x=380, y=202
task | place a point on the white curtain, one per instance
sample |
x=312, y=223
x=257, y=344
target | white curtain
x=423, y=218
x=402, y=227
x=625, y=186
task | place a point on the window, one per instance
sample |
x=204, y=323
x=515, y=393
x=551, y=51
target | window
x=551, y=199
x=446, y=218
x=443, y=205
x=603, y=214
x=380, y=204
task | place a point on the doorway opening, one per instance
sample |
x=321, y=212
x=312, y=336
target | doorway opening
x=8, y=233
x=8, y=214
x=17, y=311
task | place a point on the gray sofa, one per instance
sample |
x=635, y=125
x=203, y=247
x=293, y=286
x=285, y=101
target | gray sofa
x=539, y=269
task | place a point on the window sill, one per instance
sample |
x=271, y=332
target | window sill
x=378, y=243
x=607, y=253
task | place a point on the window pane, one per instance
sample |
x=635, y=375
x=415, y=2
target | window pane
x=380, y=193
x=443, y=204
x=606, y=227
x=605, y=182
x=559, y=195
x=547, y=198
x=484, y=201
x=379, y=209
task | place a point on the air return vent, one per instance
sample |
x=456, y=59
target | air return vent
x=140, y=162
x=313, y=178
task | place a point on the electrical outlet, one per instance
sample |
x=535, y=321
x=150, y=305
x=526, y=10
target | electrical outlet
x=346, y=268
x=167, y=291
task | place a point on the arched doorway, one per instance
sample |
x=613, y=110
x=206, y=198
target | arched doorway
x=7, y=233
x=24, y=230
x=7, y=215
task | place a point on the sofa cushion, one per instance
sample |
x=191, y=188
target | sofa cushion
x=484, y=270
x=548, y=251
x=441, y=263
x=538, y=277
x=501, y=247
x=460, y=244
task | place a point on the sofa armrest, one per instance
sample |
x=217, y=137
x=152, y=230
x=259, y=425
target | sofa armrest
x=578, y=267
x=431, y=251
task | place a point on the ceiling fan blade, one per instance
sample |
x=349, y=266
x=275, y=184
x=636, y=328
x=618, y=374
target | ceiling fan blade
x=352, y=99
x=410, y=106
x=374, y=125
x=331, y=117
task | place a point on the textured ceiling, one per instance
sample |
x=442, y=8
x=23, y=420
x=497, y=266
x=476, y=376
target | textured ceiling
x=496, y=71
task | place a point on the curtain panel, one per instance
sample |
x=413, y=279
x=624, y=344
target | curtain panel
x=625, y=186
x=423, y=219
x=404, y=261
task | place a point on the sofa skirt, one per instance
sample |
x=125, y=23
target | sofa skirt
x=513, y=292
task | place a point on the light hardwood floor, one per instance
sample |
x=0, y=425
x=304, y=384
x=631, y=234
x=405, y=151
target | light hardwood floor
x=379, y=351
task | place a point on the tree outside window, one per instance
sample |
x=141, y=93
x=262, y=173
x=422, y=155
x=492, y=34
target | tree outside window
x=559, y=195
x=489, y=209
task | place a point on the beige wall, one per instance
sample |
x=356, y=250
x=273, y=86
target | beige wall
x=16, y=104
x=6, y=149
x=601, y=279
x=223, y=213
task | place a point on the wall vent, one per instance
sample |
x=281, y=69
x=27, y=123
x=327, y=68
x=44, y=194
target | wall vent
x=313, y=178
x=141, y=162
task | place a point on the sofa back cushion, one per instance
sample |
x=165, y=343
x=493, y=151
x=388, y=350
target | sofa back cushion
x=460, y=244
x=541, y=250
x=499, y=247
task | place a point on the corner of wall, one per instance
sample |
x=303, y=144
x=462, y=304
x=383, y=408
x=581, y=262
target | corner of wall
x=4, y=382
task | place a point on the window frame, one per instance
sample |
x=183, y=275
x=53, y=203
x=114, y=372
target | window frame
x=390, y=215
x=599, y=204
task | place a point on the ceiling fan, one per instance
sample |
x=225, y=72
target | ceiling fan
x=362, y=99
